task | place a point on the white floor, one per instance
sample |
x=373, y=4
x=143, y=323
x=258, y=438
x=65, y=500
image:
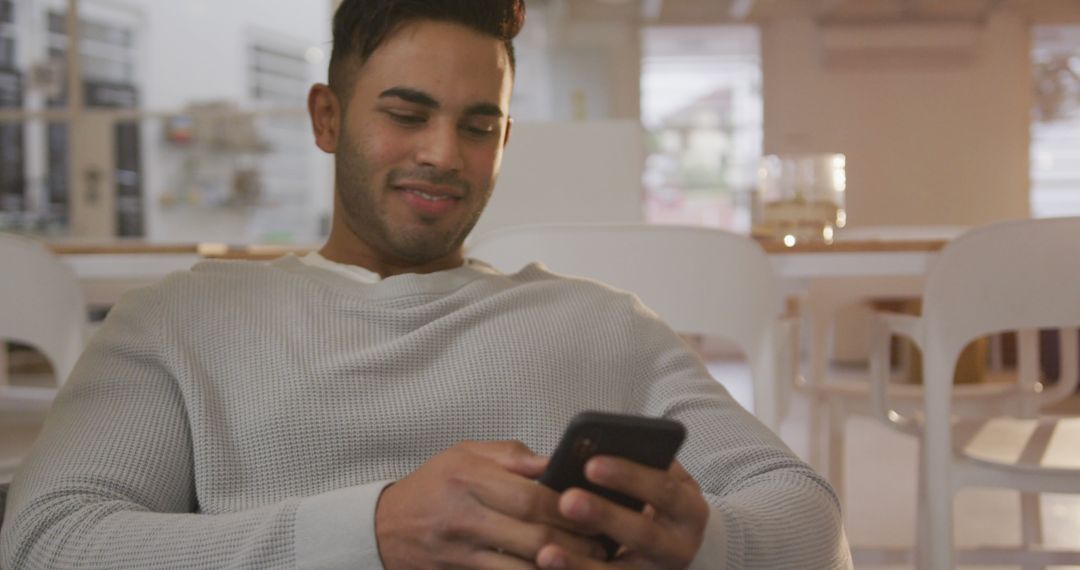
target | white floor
x=880, y=502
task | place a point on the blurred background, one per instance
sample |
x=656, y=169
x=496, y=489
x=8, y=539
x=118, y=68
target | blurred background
x=185, y=121
x=177, y=126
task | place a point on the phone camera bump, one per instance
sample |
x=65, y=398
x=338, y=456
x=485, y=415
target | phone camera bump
x=585, y=447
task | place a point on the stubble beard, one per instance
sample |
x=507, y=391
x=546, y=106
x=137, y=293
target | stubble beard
x=363, y=201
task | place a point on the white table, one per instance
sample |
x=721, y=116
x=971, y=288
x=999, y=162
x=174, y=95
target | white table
x=892, y=251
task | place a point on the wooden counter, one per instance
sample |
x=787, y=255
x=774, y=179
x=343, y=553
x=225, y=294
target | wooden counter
x=212, y=250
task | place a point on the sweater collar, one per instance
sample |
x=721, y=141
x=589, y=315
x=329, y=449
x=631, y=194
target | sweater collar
x=438, y=282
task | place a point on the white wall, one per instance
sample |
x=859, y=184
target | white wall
x=602, y=61
x=568, y=172
x=928, y=142
x=197, y=49
x=576, y=70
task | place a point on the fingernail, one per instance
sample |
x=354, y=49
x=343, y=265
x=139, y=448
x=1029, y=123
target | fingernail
x=598, y=469
x=552, y=558
x=578, y=508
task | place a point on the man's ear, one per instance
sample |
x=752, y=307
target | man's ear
x=509, y=127
x=325, y=111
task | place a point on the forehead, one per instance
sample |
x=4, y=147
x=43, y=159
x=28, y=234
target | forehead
x=449, y=61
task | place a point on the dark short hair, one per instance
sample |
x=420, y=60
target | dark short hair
x=361, y=26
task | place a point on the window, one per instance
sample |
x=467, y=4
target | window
x=7, y=34
x=702, y=107
x=12, y=159
x=107, y=57
x=1055, y=130
x=107, y=50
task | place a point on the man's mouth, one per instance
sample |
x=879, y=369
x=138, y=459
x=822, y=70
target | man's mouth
x=430, y=191
x=429, y=200
x=427, y=196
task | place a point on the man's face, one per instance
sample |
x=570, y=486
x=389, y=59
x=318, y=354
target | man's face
x=421, y=140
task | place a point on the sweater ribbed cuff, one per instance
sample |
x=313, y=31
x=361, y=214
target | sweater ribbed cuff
x=713, y=552
x=336, y=530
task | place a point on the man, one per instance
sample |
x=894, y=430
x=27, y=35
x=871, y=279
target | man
x=383, y=403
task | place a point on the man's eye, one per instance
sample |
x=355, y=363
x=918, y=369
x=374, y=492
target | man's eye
x=480, y=129
x=406, y=118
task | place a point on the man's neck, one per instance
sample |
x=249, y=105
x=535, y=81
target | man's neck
x=354, y=252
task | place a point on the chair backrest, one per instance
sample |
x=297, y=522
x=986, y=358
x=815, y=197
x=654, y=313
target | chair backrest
x=1005, y=276
x=699, y=280
x=41, y=303
x=1000, y=277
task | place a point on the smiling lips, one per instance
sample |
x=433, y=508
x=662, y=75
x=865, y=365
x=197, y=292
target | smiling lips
x=429, y=199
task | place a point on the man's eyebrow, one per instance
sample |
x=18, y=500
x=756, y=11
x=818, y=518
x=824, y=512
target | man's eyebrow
x=485, y=109
x=411, y=95
x=418, y=97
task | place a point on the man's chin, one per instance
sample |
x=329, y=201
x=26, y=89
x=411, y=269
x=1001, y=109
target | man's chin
x=424, y=251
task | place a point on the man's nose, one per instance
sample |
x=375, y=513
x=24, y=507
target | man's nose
x=440, y=148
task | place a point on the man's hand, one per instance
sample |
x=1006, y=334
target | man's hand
x=666, y=535
x=475, y=505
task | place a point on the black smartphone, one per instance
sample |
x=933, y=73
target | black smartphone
x=649, y=441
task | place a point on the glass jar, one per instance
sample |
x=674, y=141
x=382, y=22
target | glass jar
x=800, y=197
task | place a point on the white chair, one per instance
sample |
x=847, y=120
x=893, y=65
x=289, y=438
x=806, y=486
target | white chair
x=700, y=281
x=42, y=306
x=832, y=402
x=1014, y=276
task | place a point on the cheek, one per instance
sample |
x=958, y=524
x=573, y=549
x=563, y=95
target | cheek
x=383, y=149
x=483, y=164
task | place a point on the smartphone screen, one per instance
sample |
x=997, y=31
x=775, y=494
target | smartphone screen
x=649, y=441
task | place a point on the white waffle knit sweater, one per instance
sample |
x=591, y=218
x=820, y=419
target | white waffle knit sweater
x=247, y=415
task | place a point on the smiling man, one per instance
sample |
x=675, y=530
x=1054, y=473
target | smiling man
x=418, y=131
x=385, y=402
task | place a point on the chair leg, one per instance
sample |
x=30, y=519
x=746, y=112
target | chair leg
x=819, y=319
x=1031, y=524
x=817, y=445
x=837, y=418
x=922, y=522
x=939, y=508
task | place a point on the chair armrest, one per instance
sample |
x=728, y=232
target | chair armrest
x=883, y=327
x=902, y=325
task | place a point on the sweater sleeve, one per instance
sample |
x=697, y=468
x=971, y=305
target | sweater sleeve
x=110, y=481
x=768, y=508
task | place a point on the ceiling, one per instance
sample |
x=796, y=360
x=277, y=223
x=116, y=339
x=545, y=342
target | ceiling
x=856, y=11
